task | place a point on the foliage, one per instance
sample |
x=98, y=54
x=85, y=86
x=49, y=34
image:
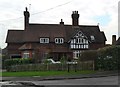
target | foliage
x=17, y=61
x=108, y=58
x=88, y=55
x=4, y=57
x=63, y=60
x=46, y=61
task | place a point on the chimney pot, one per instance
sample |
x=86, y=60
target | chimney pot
x=61, y=21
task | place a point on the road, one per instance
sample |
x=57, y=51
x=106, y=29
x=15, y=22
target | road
x=111, y=80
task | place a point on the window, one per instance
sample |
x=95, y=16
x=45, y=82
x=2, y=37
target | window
x=76, y=54
x=78, y=40
x=72, y=46
x=92, y=37
x=82, y=46
x=26, y=55
x=59, y=40
x=86, y=42
x=86, y=46
x=72, y=41
x=44, y=40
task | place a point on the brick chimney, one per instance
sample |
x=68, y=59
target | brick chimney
x=75, y=18
x=26, y=18
x=113, y=39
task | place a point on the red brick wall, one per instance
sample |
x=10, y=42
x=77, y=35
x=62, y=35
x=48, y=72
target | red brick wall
x=13, y=48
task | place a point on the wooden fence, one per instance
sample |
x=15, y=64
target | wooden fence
x=89, y=65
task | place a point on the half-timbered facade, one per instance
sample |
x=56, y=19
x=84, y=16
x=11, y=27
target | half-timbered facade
x=55, y=40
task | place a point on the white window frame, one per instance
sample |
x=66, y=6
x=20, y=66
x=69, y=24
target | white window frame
x=59, y=40
x=44, y=40
x=26, y=55
x=76, y=54
x=80, y=44
x=92, y=37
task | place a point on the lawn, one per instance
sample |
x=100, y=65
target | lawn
x=44, y=73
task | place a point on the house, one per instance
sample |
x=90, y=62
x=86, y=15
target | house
x=54, y=40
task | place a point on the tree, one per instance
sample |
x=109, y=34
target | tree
x=90, y=55
x=63, y=61
x=108, y=58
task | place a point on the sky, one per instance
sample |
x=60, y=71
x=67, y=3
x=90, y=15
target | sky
x=92, y=12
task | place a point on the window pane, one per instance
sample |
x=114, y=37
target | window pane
x=81, y=46
x=86, y=46
x=71, y=46
x=44, y=40
x=92, y=37
x=59, y=40
x=86, y=41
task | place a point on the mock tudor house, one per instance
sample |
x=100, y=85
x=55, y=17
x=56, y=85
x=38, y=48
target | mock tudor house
x=57, y=40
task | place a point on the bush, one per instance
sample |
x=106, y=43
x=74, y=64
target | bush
x=17, y=61
x=88, y=55
x=108, y=58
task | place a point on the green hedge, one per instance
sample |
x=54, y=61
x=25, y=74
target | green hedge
x=108, y=58
x=17, y=61
x=88, y=55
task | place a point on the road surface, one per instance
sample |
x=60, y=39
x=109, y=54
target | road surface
x=111, y=81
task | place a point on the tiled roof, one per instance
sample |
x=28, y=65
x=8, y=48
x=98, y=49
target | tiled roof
x=52, y=31
x=15, y=36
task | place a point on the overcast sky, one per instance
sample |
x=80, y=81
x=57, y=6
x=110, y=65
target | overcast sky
x=92, y=12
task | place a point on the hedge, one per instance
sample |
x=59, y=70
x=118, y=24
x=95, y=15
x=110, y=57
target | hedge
x=17, y=61
x=106, y=58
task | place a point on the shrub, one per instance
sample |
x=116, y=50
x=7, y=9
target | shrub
x=17, y=61
x=88, y=55
x=108, y=58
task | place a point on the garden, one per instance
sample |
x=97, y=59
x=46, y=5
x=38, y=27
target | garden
x=103, y=59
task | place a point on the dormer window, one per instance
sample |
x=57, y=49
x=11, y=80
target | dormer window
x=44, y=40
x=92, y=38
x=59, y=40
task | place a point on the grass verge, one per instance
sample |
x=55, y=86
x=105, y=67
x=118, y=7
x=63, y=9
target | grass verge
x=44, y=73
